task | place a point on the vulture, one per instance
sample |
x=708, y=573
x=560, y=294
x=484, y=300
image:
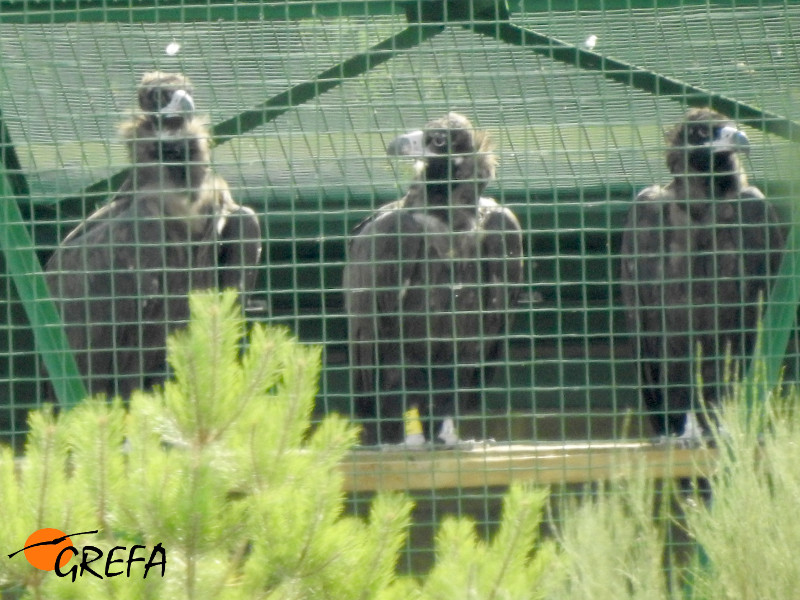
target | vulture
x=429, y=284
x=697, y=258
x=121, y=278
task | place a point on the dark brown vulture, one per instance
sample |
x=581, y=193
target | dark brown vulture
x=429, y=283
x=697, y=257
x=121, y=278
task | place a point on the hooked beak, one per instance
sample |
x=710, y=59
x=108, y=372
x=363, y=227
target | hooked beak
x=180, y=105
x=731, y=139
x=409, y=144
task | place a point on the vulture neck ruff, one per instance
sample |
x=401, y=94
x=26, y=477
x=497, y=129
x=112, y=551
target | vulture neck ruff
x=169, y=158
x=450, y=188
x=702, y=175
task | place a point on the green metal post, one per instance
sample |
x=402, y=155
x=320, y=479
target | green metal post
x=25, y=270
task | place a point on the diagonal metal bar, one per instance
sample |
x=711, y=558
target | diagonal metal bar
x=640, y=78
x=781, y=310
x=26, y=272
x=325, y=81
x=281, y=103
x=9, y=161
x=17, y=245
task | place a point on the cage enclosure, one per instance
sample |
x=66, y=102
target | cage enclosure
x=302, y=99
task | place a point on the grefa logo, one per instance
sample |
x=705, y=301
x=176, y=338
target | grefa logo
x=51, y=549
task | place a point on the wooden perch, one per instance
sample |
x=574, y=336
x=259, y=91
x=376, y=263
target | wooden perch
x=500, y=465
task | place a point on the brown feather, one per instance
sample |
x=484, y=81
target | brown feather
x=698, y=254
x=121, y=278
x=431, y=283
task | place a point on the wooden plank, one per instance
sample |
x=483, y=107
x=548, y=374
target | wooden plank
x=501, y=465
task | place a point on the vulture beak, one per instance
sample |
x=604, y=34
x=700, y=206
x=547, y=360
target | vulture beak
x=731, y=139
x=180, y=105
x=409, y=144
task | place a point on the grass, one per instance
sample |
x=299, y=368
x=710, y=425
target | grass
x=750, y=530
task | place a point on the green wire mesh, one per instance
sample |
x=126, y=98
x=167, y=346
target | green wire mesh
x=305, y=96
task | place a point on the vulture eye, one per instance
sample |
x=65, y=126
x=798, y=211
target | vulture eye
x=439, y=139
x=156, y=99
x=159, y=98
x=705, y=134
x=164, y=98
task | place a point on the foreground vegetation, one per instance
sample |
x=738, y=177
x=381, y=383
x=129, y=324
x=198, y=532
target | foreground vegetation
x=222, y=469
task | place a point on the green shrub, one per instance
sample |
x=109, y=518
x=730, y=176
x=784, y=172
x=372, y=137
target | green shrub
x=750, y=530
x=610, y=545
x=511, y=566
x=221, y=467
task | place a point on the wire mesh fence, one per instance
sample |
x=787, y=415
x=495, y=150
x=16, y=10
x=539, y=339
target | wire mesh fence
x=302, y=100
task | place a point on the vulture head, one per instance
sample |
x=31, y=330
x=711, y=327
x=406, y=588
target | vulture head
x=705, y=143
x=450, y=152
x=167, y=98
x=165, y=134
